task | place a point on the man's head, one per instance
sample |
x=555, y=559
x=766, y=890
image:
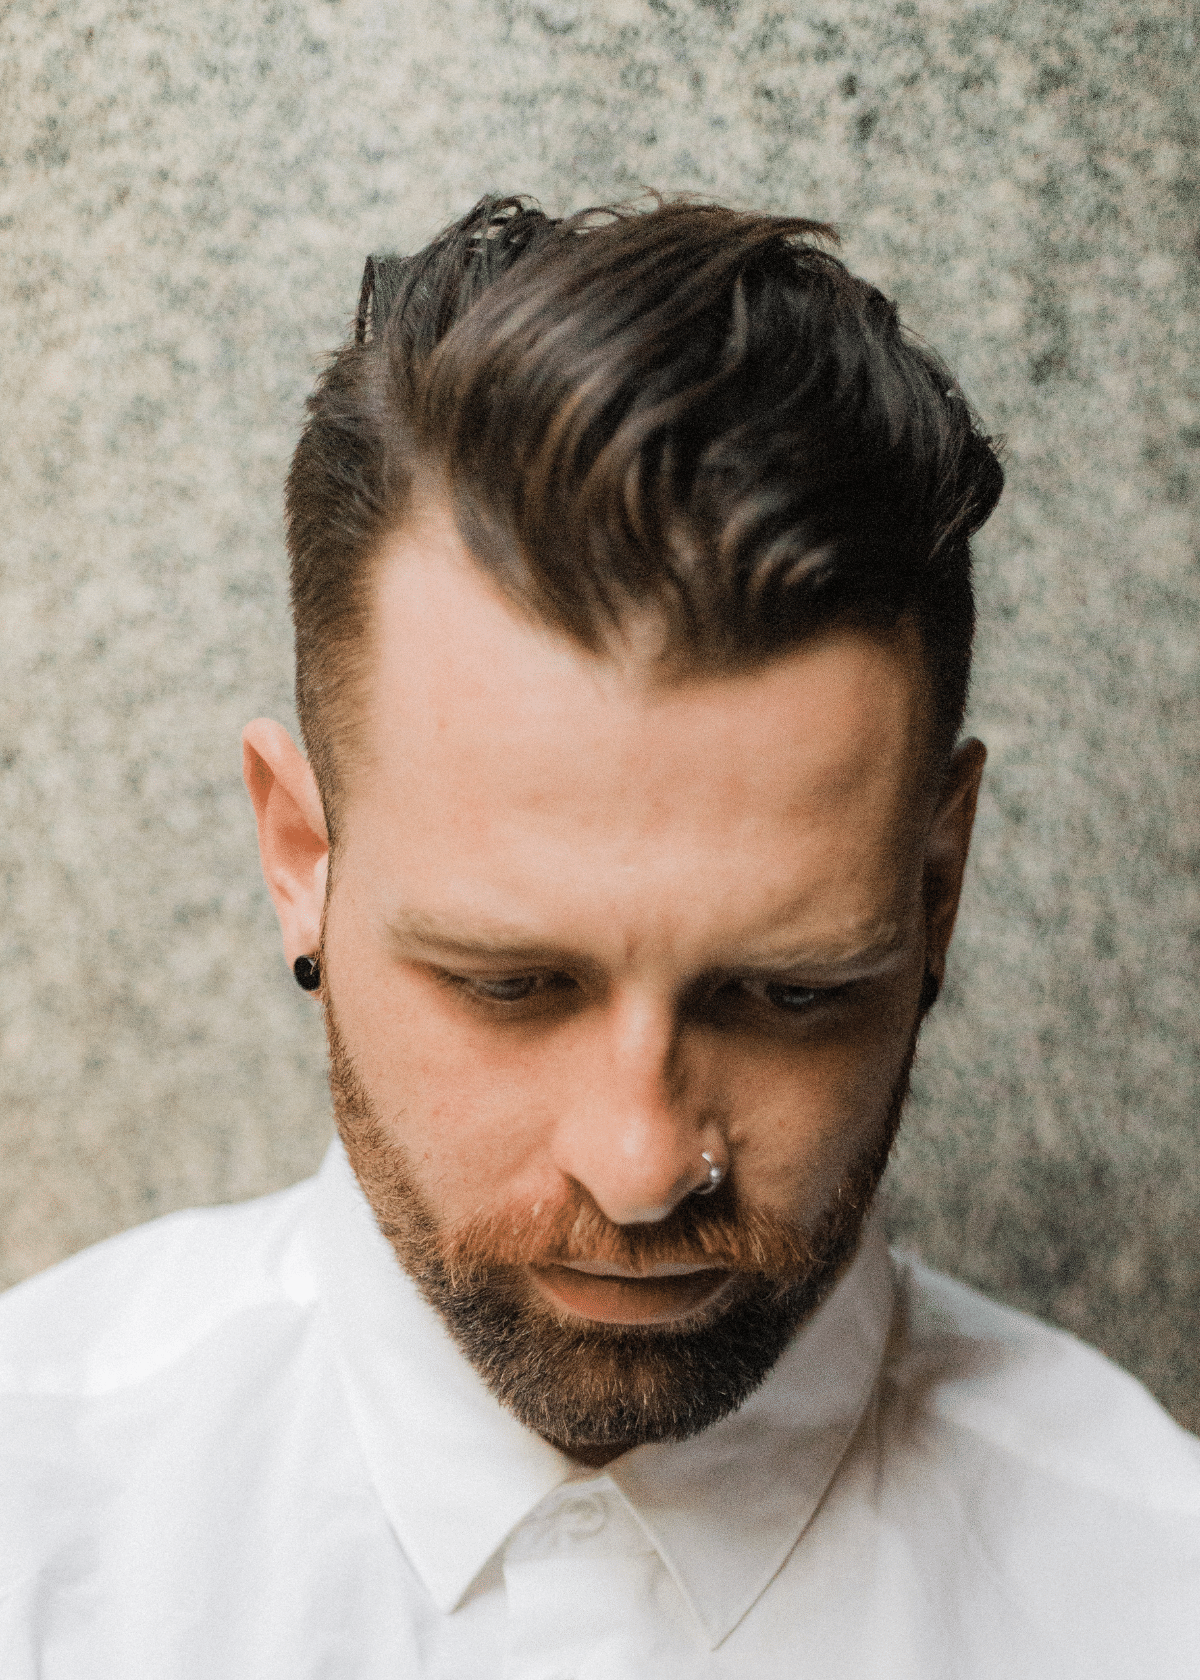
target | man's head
x=633, y=623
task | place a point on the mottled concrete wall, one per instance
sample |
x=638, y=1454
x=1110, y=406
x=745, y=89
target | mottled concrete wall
x=189, y=191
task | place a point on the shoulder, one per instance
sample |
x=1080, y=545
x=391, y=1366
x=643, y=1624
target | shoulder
x=115, y=1313
x=1035, y=1398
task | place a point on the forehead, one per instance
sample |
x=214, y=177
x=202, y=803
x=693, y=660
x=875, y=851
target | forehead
x=497, y=752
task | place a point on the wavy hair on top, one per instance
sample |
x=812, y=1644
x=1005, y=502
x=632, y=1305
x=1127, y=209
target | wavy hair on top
x=685, y=409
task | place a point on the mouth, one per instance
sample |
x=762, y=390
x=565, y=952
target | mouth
x=607, y=1294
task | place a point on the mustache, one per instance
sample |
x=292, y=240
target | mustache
x=754, y=1241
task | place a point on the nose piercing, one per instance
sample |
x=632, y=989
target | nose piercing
x=716, y=1175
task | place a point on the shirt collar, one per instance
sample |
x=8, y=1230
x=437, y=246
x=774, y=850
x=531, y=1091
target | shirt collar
x=456, y=1473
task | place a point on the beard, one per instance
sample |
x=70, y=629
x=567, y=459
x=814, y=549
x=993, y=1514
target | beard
x=598, y=1388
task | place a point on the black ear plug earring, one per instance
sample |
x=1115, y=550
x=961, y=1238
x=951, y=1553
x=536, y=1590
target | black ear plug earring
x=308, y=973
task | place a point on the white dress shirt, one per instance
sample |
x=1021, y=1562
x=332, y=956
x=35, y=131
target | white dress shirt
x=237, y=1443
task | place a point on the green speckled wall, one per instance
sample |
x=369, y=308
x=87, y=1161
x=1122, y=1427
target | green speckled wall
x=188, y=193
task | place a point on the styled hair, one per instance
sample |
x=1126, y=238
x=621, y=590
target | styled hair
x=684, y=409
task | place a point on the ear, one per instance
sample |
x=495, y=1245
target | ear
x=947, y=848
x=293, y=841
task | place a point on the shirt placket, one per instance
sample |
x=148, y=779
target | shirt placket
x=588, y=1597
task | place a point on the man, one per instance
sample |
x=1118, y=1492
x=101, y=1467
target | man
x=633, y=617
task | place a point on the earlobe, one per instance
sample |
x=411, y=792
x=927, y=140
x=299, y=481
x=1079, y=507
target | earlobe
x=947, y=848
x=293, y=841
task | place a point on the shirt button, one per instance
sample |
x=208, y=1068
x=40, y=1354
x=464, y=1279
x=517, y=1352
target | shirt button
x=581, y=1517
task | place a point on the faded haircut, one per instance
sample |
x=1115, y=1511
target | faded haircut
x=686, y=409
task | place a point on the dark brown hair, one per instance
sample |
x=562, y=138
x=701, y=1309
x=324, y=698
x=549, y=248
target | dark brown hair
x=686, y=408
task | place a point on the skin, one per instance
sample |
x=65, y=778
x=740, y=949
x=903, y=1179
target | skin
x=585, y=922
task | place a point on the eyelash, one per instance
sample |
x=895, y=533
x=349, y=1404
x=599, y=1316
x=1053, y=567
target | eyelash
x=777, y=994
x=536, y=984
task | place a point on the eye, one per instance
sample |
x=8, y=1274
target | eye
x=508, y=988
x=756, y=1003
x=783, y=996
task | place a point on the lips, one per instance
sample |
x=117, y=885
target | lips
x=608, y=1295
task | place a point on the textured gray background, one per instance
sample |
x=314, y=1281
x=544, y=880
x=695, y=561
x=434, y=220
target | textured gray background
x=189, y=190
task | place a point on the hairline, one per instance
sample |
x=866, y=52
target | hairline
x=344, y=712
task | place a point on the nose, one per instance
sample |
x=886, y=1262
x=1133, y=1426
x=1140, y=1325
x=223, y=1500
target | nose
x=631, y=1134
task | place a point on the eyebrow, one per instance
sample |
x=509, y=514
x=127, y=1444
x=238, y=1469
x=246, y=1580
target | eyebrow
x=497, y=941
x=500, y=943
x=871, y=957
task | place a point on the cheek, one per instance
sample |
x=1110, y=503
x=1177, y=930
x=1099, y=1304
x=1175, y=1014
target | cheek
x=469, y=1112
x=801, y=1118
